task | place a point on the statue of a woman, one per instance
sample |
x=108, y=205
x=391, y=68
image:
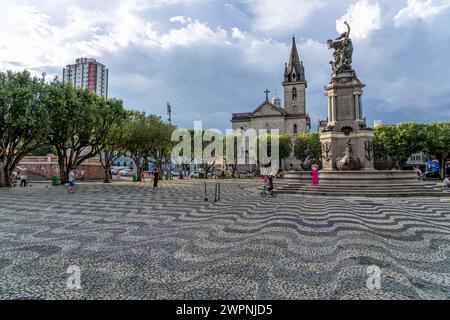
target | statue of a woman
x=343, y=54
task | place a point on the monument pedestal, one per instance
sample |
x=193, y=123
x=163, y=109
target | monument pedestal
x=345, y=110
x=347, y=145
x=334, y=145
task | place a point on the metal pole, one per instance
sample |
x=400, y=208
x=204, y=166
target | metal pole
x=206, y=195
x=215, y=193
x=219, y=191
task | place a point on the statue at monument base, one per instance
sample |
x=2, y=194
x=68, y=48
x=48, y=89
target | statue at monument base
x=310, y=160
x=339, y=155
x=383, y=161
x=348, y=161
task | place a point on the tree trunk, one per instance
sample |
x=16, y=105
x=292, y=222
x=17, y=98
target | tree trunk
x=159, y=169
x=398, y=165
x=61, y=165
x=65, y=177
x=107, y=178
x=4, y=176
x=63, y=173
x=138, y=172
x=206, y=171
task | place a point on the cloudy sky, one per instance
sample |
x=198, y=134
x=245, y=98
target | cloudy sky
x=211, y=58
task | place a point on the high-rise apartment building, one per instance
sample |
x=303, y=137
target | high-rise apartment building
x=87, y=73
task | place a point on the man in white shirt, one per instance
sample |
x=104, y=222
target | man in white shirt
x=446, y=183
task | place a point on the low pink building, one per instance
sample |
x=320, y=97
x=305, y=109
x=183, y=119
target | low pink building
x=46, y=167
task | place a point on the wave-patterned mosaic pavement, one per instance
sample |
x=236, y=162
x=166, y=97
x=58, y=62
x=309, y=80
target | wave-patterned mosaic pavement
x=132, y=243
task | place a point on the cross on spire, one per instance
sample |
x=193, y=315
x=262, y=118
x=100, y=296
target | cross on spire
x=267, y=94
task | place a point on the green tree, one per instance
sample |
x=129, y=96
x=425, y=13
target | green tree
x=23, y=119
x=162, y=145
x=284, y=149
x=144, y=137
x=112, y=117
x=74, y=125
x=233, y=141
x=438, y=142
x=207, y=163
x=43, y=151
x=400, y=141
x=308, y=139
x=136, y=138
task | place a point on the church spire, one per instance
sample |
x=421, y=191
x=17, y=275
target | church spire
x=294, y=70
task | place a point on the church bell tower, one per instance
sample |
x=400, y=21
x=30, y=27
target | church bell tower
x=294, y=84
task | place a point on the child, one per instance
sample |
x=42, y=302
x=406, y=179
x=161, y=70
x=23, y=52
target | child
x=71, y=182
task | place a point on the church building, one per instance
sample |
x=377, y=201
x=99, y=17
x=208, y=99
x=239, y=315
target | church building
x=289, y=119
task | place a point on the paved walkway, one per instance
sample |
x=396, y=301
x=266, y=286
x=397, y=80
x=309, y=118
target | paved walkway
x=131, y=243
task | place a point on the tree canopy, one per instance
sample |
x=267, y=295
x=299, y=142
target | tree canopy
x=75, y=128
x=24, y=119
x=308, y=139
x=400, y=141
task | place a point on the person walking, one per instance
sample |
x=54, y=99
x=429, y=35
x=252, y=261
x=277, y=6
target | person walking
x=71, y=181
x=446, y=183
x=82, y=175
x=155, y=180
x=270, y=186
x=18, y=179
x=315, y=174
x=24, y=181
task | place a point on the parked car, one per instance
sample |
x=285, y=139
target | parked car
x=197, y=175
x=245, y=174
x=175, y=173
x=212, y=175
x=126, y=172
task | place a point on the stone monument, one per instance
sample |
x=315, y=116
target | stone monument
x=349, y=166
x=347, y=143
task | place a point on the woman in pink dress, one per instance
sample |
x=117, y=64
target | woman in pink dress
x=315, y=174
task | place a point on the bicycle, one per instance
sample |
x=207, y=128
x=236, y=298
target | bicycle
x=267, y=193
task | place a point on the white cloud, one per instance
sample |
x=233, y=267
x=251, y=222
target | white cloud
x=363, y=17
x=237, y=34
x=421, y=9
x=154, y=58
x=36, y=40
x=192, y=31
x=279, y=15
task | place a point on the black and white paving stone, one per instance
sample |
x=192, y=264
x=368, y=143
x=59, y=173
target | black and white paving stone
x=132, y=243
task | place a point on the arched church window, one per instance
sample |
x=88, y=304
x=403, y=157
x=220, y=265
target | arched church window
x=294, y=109
x=295, y=129
x=293, y=76
x=294, y=93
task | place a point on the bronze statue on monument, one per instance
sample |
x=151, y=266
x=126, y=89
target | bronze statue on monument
x=348, y=161
x=343, y=52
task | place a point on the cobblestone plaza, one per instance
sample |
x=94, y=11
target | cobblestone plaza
x=132, y=243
